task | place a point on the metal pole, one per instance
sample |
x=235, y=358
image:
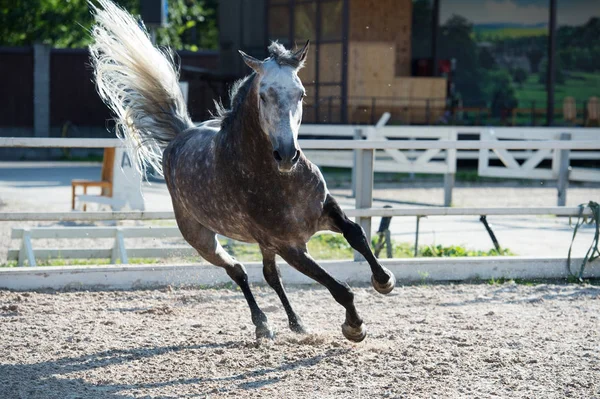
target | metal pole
x=417, y=237
x=483, y=219
x=563, y=172
x=345, y=40
x=388, y=244
x=435, y=21
x=551, y=63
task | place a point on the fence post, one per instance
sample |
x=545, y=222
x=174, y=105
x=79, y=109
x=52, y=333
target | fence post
x=364, y=191
x=448, y=186
x=118, y=250
x=357, y=136
x=41, y=90
x=450, y=175
x=563, y=172
x=26, y=251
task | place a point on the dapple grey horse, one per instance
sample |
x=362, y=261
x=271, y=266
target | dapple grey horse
x=241, y=174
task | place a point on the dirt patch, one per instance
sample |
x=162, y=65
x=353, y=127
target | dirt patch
x=424, y=341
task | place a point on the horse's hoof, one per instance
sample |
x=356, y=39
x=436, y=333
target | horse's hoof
x=387, y=287
x=298, y=328
x=264, y=331
x=354, y=334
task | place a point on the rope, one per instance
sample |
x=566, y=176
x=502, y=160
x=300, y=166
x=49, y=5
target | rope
x=592, y=253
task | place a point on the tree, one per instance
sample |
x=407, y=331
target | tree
x=535, y=55
x=501, y=91
x=61, y=23
x=559, y=76
x=486, y=58
x=456, y=41
x=520, y=76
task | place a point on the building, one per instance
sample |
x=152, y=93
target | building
x=492, y=57
x=359, y=63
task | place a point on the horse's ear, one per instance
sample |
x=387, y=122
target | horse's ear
x=301, y=54
x=252, y=62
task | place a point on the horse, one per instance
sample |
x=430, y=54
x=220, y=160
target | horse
x=240, y=174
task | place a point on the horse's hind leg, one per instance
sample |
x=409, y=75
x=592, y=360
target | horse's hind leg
x=205, y=242
x=273, y=278
x=353, y=328
x=382, y=279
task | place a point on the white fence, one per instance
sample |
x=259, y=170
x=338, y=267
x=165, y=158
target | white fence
x=119, y=251
x=433, y=159
x=419, y=269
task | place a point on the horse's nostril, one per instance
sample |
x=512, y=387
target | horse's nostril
x=277, y=156
x=296, y=156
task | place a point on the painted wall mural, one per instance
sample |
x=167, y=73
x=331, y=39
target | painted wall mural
x=501, y=50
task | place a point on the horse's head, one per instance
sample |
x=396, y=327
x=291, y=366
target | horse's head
x=279, y=93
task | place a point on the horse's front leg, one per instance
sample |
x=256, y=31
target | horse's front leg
x=353, y=327
x=382, y=279
x=273, y=278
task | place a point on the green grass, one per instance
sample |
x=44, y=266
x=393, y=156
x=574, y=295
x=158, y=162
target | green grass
x=579, y=85
x=510, y=33
x=334, y=246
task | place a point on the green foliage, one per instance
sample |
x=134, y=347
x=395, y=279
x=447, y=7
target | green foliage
x=559, y=76
x=453, y=251
x=456, y=41
x=500, y=90
x=192, y=25
x=519, y=76
x=66, y=23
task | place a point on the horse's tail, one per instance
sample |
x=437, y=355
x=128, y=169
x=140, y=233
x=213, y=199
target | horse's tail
x=138, y=82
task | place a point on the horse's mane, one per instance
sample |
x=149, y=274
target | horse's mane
x=239, y=90
x=282, y=56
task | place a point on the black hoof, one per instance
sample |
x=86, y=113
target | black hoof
x=354, y=334
x=298, y=327
x=387, y=287
x=264, y=331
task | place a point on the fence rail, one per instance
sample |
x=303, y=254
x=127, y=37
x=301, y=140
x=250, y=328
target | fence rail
x=362, y=212
x=335, y=144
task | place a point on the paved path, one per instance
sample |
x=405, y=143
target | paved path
x=46, y=187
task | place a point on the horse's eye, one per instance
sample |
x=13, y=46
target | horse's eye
x=263, y=98
x=302, y=96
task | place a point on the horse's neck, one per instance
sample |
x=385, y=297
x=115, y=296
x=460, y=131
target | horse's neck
x=245, y=141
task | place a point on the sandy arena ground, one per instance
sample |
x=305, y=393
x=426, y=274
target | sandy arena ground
x=447, y=341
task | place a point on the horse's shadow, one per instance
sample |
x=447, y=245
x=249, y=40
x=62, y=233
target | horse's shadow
x=50, y=379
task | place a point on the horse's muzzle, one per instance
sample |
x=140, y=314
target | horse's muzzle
x=286, y=159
